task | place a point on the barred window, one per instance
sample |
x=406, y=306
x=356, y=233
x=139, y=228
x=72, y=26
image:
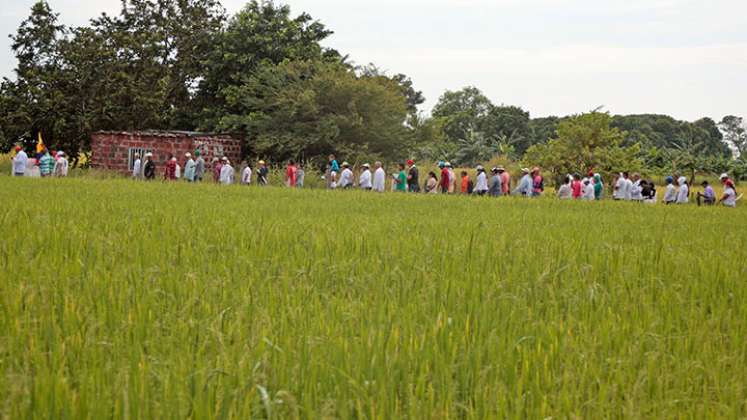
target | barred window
x=136, y=151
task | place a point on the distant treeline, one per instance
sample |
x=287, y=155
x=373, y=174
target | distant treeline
x=263, y=73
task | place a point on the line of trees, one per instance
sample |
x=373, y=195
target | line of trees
x=263, y=73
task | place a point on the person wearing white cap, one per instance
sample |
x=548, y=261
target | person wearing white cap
x=379, y=178
x=364, y=180
x=189, y=168
x=525, y=184
x=137, y=167
x=60, y=165
x=149, y=169
x=729, y=198
x=564, y=191
x=346, y=176
x=481, y=183
x=636, y=191
x=496, y=188
x=452, y=177
x=683, y=191
x=587, y=190
x=226, y=172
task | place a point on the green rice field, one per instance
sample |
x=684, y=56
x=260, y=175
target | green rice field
x=134, y=300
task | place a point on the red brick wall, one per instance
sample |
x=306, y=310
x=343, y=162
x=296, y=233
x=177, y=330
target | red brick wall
x=109, y=150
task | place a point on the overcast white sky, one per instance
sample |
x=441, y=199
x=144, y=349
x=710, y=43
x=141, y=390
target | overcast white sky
x=685, y=58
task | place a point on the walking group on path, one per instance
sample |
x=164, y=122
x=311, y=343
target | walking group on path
x=43, y=165
x=406, y=179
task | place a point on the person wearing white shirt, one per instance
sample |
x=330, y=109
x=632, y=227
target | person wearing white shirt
x=564, y=191
x=20, y=161
x=246, y=175
x=525, y=184
x=452, y=177
x=60, y=165
x=226, y=172
x=628, y=187
x=587, y=190
x=481, y=185
x=189, y=168
x=137, y=167
x=619, y=192
x=636, y=191
x=670, y=194
x=364, y=180
x=379, y=179
x=683, y=193
x=729, y=199
x=346, y=176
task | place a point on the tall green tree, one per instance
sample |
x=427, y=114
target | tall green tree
x=586, y=142
x=305, y=109
x=261, y=33
x=31, y=103
x=735, y=134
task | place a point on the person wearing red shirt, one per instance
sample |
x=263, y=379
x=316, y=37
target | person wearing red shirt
x=444, y=182
x=505, y=181
x=576, y=187
x=290, y=174
x=170, y=172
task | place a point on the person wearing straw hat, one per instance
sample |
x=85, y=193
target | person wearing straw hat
x=60, y=165
x=525, y=184
x=364, y=180
x=20, y=161
x=149, y=169
x=226, y=172
x=262, y=173
x=346, y=176
x=189, y=168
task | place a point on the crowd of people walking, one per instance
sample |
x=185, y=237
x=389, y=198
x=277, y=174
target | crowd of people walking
x=495, y=183
x=44, y=164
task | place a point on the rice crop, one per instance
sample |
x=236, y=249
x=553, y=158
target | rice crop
x=123, y=299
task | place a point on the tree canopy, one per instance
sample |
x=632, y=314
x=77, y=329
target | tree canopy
x=263, y=73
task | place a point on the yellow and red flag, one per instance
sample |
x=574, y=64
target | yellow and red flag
x=40, y=144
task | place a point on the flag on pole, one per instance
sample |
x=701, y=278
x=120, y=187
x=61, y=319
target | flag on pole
x=40, y=144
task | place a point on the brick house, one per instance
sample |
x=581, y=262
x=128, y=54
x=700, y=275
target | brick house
x=116, y=151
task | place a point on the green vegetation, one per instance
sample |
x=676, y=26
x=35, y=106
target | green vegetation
x=150, y=300
x=263, y=73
